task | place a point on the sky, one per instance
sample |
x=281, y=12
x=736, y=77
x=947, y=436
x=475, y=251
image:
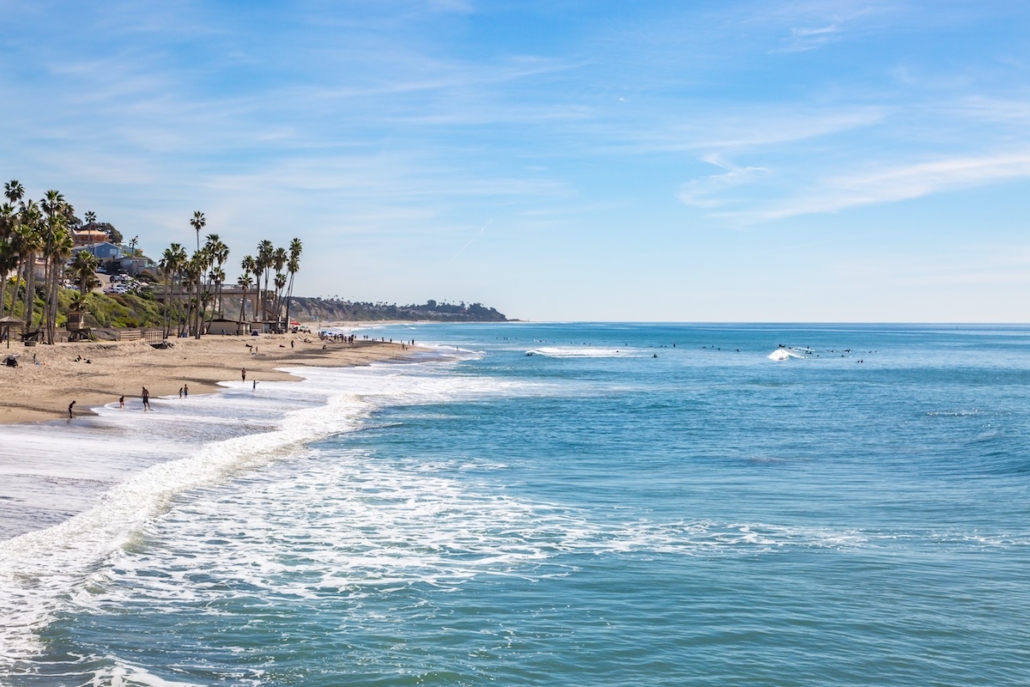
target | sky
x=733, y=161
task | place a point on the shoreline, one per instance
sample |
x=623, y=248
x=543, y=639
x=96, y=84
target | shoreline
x=41, y=392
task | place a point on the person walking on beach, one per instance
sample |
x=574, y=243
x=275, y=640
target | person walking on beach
x=255, y=384
x=180, y=392
x=121, y=401
x=186, y=390
x=146, y=399
x=243, y=373
x=70, y=406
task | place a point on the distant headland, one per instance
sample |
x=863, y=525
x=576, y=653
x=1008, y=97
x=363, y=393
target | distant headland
x=336, y=310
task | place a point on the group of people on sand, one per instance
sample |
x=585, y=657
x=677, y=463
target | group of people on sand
x=184, y=390
x=336, y=338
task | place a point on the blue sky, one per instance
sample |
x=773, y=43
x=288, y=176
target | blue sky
x=560, y=160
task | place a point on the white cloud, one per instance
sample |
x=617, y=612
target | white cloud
x=804, y=39
x=896, y=183
x=704, y=192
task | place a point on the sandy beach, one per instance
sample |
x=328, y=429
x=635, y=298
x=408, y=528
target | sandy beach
x=107, y=370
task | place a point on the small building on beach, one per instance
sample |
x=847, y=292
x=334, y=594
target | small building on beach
x=5, y=328
x=223, y=325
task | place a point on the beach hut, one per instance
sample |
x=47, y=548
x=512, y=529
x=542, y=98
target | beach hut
x=5, y=328
x=229, y=327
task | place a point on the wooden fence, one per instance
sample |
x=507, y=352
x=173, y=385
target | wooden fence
x=151, y=336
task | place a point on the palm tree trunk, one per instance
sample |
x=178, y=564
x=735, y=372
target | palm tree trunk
x=243, y=304
x=46, y=292
x=51, y=329
x=51, y=298
x=289, y=297
x=17, y=282
x=201, y=309
x=3, y=293
x=164, y=318
x=30, y=291
x=180, y=303
x=183, y=321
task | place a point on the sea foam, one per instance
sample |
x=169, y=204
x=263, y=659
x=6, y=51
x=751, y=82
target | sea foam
x=40, y=569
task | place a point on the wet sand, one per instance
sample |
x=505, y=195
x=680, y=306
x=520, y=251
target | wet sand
x=35, y=392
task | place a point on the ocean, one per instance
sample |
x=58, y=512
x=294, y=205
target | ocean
x=543, y=504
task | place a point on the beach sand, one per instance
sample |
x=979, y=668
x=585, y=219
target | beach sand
x=31, y=392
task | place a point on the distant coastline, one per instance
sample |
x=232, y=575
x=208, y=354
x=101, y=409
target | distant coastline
x=336, y=310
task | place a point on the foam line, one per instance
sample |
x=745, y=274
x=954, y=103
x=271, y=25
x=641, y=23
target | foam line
x=39, y=566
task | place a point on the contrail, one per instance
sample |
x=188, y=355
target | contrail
x=469, y=242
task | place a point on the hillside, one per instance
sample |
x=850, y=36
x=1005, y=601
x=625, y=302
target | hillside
x=133, y=310
x=337, y=310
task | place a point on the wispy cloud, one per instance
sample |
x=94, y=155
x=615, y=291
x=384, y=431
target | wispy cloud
x=704, y=192
x=805, y=39
x=730, y=130
x=894, y=183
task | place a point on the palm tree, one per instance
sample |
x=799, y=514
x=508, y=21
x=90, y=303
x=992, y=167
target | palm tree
x=164, y=265
x=8, y=256
x=219, y=253
x=192, y=271
x=279, y=260
x=204, y=262
x=266, y=251
x=54, y=246
x=60, y=251
x=217, y=277
x=198, y=222
x=280, y=284
x=91, y=219
x=293, y=266
x=249, y=267
x=78, y=302
x=173, y=262
x=169, y=263
x=244, y=282
x=31, y=237
x=83, y=270
x=14, y=191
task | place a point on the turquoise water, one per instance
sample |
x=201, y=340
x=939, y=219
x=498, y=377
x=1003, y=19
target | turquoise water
x=590, y=514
